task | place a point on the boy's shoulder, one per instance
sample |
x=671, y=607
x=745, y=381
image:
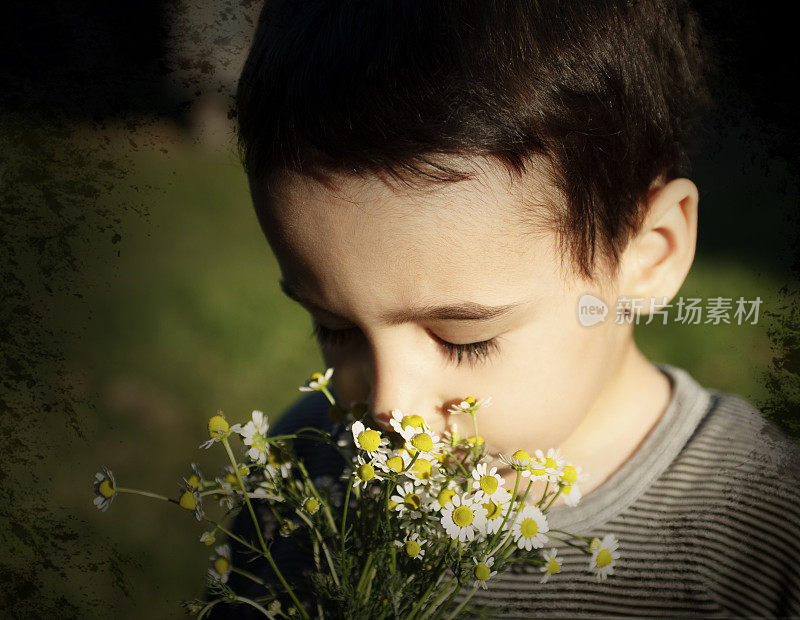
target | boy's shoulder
x=742, y=433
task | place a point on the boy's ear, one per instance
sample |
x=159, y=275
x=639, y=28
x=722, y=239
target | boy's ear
x=657, y=259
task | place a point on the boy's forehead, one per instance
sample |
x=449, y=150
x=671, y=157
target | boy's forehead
x=440, y=240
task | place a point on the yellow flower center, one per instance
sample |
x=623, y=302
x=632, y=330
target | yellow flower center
x=413, y=421
x=481, y=572
x=521, y=455
x=537, y=471
x=412, y=548
x=260, y=442
x=366, y=472
x=604, y=558
x=553, y=566
x=217, y=426
x=423, y=468
x=395, y=464
x=106, y=489
x=570, y=474
x=311, y=505
x=566, y=489
x=529, y=528
x=188, y=501
x=229, y=477
x=494, y=511
x=412, y=501
x=470, y=400
x=194, y=481
x=445, y=497
x=221, y=565
x=471, y=440
x=369, y=440
x=463, y=516
x=316, y=376
x=488, y=484
x=550, y=463
x=423, y=442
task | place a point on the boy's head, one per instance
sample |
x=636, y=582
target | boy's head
x=408, y=157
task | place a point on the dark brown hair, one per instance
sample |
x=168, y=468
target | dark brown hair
x=602, y=91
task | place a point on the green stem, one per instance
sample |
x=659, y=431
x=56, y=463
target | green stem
x=557, y=493
x=322, y=544
x=145, y=493
x=343, y=548
x=257, y=525
x=230, y=534
x=544, y=494
x=241, y=599
x=463, y=603
x=508, y=512
x=588, y=540
x=572, y=544
x=475, y=447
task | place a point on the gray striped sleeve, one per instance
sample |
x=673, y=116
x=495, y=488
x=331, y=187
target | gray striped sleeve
x=707, y=513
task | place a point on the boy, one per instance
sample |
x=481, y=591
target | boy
x=441, y=183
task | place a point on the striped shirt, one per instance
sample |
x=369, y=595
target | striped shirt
x=707, y=512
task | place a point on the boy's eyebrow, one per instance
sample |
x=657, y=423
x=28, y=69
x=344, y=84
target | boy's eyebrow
x=466, y=311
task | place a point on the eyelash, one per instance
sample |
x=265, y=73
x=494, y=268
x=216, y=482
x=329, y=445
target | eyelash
x=472, y=352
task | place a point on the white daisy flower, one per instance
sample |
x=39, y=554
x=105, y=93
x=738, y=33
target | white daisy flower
x=463, y=517
x=482, y=571
x=105, y=489
x=547, y=467
x=364, y=472
x=208, y=538
x=278, y=464
x=519, y=461
x=469, y=405
x=310, y=505
x=393, y=462
x=530, y=528
x=551, y=566
x=190, y=499
x=422, y=440
x=409, y=498
x=443, y=497
x=568, y=482
x=218, y=429
x=254, y=434
x=400, y=422
x=413, y=546
x=221, y=563
x=425, y=470
x=317, y=381
x=368, y=439
x=496, y=510
x=486, y=483
x=196, y=479
x=604, y=554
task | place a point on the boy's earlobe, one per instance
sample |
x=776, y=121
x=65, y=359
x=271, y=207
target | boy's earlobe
x=660, y=255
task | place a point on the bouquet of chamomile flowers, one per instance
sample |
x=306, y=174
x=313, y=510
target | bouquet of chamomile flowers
x=418, y=524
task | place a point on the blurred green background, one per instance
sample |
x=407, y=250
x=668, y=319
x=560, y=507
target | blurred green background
x=184, y=317
x=140, y=296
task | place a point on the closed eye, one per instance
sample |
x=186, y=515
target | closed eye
x=472, y=352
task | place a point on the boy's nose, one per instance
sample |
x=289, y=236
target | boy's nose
x=407, y=390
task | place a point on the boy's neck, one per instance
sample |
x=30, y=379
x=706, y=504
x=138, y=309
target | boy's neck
x=630, y=406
